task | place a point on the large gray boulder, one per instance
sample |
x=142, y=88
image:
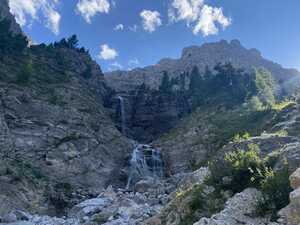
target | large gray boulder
x=238, y=211
x=291, y=213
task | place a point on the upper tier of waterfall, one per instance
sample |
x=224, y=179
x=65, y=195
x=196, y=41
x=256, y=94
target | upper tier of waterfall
x=122, y=111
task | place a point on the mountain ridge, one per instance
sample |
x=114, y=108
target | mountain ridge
x=206, y=55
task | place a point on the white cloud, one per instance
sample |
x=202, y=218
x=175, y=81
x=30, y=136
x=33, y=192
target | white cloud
x=89, y=8
x=201, y=16
x=107, y=53
x=208, y=19
x=188, y=10
x=151, y=20
x=133, y=62
x=133, y=28
x=31, y=10
x=53, y=20
x=119, y=27
x=115, y=66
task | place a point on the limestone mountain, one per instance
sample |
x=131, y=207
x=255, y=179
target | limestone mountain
x=205, y=56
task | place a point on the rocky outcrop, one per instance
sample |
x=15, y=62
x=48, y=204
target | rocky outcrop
x=207, y=55
x=57, y=141
x=148, y=114
x=5, y=14
x=291, y=213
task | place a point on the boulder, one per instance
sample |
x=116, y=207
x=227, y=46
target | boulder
x=144, y=185
x=295, y=179
x=291, y=213
x=9, y=218
x=238, y=211
x=89, y=207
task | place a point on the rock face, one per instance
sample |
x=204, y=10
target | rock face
x=207, y=55
x=149, y=114
x=57, y=141
x=5, y=13
x=291, y=213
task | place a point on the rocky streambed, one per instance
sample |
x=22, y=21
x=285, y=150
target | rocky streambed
x=111, y=207
x=149, y=202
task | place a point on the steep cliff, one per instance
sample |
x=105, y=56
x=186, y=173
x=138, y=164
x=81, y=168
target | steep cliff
x=57, y=142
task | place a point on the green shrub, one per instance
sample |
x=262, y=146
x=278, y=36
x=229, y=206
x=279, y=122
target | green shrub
x=276, y=189
x=208, y=203
x=55, y=99
x=87, y=74
x=243, y=169
x=240, y=169
x=59, y=196
x=265, y=86
x=254, y=104
x=240, y=138
x=202, y=203
x=25, y=73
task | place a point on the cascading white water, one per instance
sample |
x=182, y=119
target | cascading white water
x=123, y=119
x=145, y=162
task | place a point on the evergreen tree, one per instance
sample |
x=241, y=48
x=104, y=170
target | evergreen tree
x=87, y=74
x=207, y=74
x=72, y=41
x=165, y=85
x=265, y=86
x=195, y=80
x=24, y=74
x=182, y=81
x=254, y=104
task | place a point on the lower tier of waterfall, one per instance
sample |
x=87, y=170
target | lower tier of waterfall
x=146, y=161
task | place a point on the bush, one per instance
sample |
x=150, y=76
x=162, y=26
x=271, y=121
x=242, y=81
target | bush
x=87, y=74
x=201, y=202
x=240, y=138
x=276, y=189
x=254, y=104
x=25, y=73
x=265, y=86
x=59, y=196
x=242, y=169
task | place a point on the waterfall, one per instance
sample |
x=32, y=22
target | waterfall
x=145, y=162
x=122, y=109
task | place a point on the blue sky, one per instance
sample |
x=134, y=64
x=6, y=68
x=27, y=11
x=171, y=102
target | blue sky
x=149, y=32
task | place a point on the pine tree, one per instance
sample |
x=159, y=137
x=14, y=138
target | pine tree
x=72, y=41
x=165, y=85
